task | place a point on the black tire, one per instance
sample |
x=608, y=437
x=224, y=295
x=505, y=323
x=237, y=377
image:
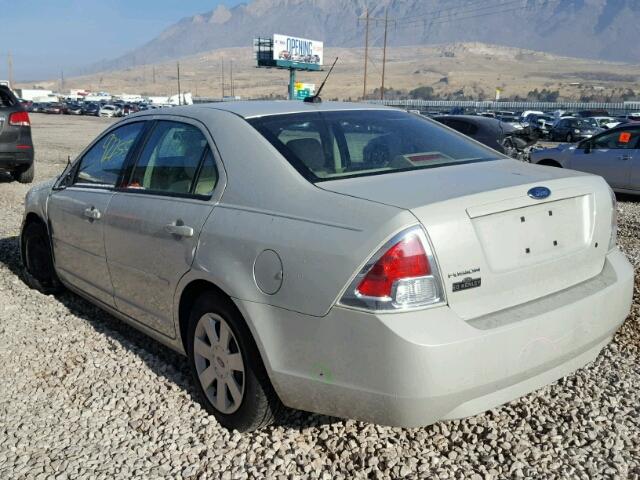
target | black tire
x=550, y=163
x=39, y=272
x=25, y=176
x=260, y=404
x=569, y=137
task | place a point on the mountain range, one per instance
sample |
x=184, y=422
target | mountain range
x=597, y=29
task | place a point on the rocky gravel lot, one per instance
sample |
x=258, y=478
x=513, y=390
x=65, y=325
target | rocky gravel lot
x=84, y=396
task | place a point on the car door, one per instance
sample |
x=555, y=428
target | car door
x=560, y=130
x=77, y=209
x=610, y=155
x=154, y=219
x=634, y=177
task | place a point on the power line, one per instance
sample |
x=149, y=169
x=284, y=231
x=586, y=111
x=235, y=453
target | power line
x=469, y=7
x=449, y=20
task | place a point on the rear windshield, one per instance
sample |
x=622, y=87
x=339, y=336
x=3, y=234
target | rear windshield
x=7, y=99
x=343, y=144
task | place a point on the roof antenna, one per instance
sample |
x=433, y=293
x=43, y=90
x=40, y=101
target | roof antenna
x=316, y=98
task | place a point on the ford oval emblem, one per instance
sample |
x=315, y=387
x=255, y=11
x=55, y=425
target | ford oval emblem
x=538, y=193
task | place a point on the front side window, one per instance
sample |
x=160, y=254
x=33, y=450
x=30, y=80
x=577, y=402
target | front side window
x=334, y=145
x=102, y=164
x=618, y=139
x=171, y=159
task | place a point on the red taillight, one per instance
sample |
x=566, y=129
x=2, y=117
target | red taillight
x=19, y=119
x=406, y=259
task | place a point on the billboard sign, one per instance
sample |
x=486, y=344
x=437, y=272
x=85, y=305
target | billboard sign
x=297, y=51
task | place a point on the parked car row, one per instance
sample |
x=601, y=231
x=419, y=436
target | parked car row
x=117, y=109
x=554, y=126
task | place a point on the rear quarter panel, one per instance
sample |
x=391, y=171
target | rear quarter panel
x=322, y=238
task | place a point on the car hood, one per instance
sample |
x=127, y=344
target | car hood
x=415, y=188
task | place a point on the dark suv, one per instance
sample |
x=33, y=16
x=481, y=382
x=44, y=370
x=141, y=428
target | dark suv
x=16, y=147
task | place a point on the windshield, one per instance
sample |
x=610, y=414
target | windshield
x=333, y=145
x=587, y=123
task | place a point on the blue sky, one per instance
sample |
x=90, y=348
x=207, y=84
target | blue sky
x=47, y=36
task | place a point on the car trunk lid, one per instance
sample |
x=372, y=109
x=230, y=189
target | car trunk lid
x=496, y=246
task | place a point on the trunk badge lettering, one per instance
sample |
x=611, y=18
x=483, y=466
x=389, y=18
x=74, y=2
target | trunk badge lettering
x=466, y=284
x=539, y=193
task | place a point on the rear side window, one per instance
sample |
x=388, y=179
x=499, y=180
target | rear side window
x=102, y=164
x=343, y=144
x=208, y=176
x=171, y=161
x=462, y=126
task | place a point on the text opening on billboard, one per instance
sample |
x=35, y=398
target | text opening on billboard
x=297, y=50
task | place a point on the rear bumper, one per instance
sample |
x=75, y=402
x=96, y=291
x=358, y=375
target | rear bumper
x=14, y=158
x=415, y=368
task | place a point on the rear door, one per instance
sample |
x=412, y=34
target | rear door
x=154, y=220
x=609, y=155
x=77, y=213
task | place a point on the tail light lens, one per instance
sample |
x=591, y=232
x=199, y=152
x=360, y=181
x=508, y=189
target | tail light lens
x=402, y=275
x=19, y=119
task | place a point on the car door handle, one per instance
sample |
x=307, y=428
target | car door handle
x=92, y=213
x=625, y=157
x=179, y=230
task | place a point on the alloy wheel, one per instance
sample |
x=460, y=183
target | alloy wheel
x=219, y=364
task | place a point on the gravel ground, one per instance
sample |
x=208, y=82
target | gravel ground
x=84, y=396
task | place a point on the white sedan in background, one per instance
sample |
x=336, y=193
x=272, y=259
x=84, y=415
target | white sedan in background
x=109, y=111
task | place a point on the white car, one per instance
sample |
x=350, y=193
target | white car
x=109, y=111
x=606, y=122
x=351, y=260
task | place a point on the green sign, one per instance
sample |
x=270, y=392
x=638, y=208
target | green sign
x=304, y=90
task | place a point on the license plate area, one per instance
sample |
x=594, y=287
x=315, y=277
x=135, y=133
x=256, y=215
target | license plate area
x=534, y=234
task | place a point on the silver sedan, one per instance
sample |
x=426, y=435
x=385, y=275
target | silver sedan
x=346, y=259
x=613, y=154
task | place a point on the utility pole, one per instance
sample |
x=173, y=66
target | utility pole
x=384, y=51
x=231, y=67
x=179, y=92
x=222, y=78
x=61, y=81
x=154, y=74
x=366, y=55
x=10, y=68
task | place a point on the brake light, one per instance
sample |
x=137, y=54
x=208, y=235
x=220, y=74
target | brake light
x=403, y=274
x=19, y=119
x=406, y=259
